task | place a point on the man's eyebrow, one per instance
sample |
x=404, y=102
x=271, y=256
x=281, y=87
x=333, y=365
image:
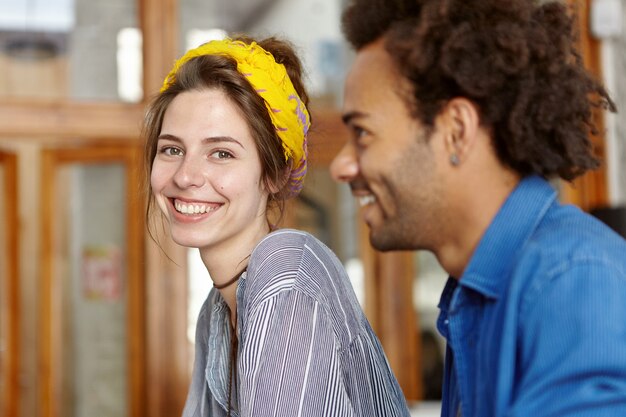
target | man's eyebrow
x=210, y=139
x=351, y=115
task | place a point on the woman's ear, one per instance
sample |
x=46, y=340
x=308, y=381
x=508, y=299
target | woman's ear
x=276, y=186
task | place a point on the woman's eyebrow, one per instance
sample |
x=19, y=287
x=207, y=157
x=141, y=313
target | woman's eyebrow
x=210, y=139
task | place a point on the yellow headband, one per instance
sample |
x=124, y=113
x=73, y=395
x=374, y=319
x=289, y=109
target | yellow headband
x=288, y=113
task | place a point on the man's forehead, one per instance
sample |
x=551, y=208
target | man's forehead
x=373, y=74
x=373, y=57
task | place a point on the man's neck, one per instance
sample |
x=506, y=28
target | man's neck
x=471, y=214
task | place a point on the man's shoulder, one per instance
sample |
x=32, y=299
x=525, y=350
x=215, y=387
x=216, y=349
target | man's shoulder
x=567, y=239
x=566, y=232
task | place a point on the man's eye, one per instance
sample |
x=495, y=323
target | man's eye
x=358, y=132
x=360, y=135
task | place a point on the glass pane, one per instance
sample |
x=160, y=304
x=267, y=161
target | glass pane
x=312, y=25
x=92, y=379
x=76, y=49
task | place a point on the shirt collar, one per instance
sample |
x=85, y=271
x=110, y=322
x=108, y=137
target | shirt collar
x=507, y=234
x=444, y=306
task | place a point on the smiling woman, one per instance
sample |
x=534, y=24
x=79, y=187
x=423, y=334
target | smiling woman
x=206, y=177
x=281, y=332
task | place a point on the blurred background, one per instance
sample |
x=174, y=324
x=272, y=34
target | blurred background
x=94, y=319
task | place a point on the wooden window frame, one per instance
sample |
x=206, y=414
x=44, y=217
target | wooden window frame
x=10, y=313
x=52, y=160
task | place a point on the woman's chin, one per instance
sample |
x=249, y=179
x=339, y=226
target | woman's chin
x=188, y=241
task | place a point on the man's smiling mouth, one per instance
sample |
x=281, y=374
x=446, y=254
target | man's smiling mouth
x=365, y=200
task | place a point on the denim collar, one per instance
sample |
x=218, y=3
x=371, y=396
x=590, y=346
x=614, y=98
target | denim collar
x=506, y=236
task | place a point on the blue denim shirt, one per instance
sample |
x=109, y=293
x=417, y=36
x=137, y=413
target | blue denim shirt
x=536, y=326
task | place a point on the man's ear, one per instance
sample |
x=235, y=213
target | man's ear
x=461, y=119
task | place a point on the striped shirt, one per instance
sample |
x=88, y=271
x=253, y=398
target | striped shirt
x=305, y=346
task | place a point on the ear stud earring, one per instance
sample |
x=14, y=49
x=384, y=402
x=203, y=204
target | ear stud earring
x=454, y=160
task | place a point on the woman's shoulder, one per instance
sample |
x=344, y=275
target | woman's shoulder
x=280, y=258
x=289, y=262
x=280, y=250
x=285, y=237
x=289, y=246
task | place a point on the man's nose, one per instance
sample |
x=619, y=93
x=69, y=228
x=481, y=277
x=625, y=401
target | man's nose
x=345, y=167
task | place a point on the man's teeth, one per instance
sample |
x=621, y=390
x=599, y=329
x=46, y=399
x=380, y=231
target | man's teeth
x=366, y=199
x=193, y=208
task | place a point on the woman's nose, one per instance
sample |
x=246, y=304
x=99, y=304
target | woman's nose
x=345, y=167
x=189, y=173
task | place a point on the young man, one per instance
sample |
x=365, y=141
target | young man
x=461, y=110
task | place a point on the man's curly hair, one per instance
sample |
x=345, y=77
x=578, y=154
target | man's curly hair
x=514, y=59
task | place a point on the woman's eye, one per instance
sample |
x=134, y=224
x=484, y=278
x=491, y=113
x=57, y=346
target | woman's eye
x=222, y=155
x=171, y=151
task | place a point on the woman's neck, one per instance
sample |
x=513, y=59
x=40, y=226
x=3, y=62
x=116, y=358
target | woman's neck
x=228, y=260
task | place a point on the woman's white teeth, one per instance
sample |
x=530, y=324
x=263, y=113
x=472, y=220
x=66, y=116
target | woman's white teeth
x=367, y=199
x=192, y=208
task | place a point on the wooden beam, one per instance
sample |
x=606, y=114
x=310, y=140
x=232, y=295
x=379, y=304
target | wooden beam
x=168, y=357
x=32, y=118
x=46, y=334
x=9, y=397
x=159, y=26
x=136, y=312
x=169, y=351
x=397, y=319
x=369, y=257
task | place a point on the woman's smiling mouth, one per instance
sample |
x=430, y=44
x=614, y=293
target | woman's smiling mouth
x=191, y=208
